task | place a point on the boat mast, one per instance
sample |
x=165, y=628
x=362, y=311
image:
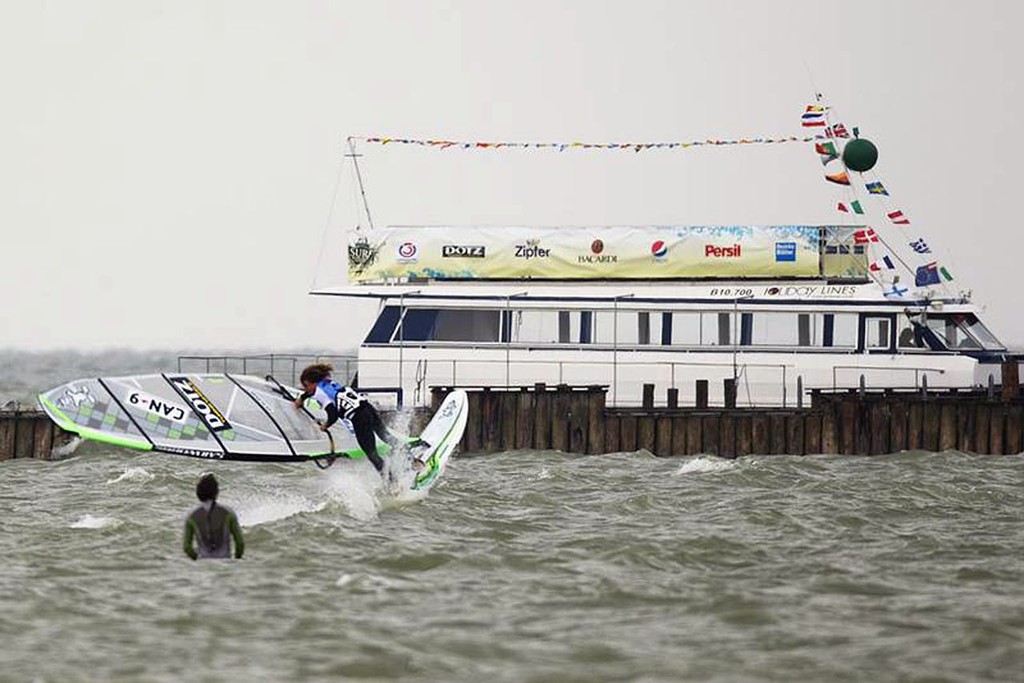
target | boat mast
x=359, y=179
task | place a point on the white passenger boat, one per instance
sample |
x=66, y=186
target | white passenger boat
x=779, y=310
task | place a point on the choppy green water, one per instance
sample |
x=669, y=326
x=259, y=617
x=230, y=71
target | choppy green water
x=521, y=566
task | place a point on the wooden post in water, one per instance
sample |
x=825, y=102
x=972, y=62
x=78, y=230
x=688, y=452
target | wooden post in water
x=526, y=420
x=595, y=419
x=560, y=418
x=509, y=408
x=648, y=399
x=542, y=415
x=701, y=397
x=730, y=392
x=645, y=433
x=1011, y=379
x=7, y=436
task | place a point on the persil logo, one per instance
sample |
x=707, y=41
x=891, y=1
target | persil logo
x=715, y=251
x=462, y=251
x=531, y=249
x=210, y=416
x=407, y=251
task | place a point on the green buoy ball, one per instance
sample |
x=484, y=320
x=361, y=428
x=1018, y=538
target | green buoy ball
x=860, y=155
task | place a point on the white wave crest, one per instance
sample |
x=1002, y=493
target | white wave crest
x=91, y=522
x=133, y=474
x=706, y=464
x=259, y=509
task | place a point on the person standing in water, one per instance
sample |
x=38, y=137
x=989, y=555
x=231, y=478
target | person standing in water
x=338, y=400
x=212, y=525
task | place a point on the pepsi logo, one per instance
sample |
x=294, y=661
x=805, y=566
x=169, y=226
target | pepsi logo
x=659, y=249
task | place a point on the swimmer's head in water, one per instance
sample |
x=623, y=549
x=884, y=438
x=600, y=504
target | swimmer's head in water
x=207, y=488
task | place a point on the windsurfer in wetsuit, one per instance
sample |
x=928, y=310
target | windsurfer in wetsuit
x=212, y=525
x=340, y=401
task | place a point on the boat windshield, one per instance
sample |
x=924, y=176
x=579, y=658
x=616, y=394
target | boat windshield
x=963, y=331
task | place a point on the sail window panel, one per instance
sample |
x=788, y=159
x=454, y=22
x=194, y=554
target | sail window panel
x=295, y=424
x=467, y=325
x=247, y=419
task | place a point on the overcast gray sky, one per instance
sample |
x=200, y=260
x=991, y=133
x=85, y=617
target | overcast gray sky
x=168, y=167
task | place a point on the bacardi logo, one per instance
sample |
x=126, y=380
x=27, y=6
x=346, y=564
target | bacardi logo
x=596, y=255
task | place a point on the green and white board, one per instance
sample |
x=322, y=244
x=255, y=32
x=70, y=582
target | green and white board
x=443, y=434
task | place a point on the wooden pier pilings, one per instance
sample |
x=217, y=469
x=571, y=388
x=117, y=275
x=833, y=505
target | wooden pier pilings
x=576, y=420
x=29, y=433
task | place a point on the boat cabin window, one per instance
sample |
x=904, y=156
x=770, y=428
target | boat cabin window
x=653, y=328
x=877, y=333
x=962, y=331
x=842, y=332
x=466, y=325
x=725, y=329
x=770, y=328
x=573, y=327
x=643, y=328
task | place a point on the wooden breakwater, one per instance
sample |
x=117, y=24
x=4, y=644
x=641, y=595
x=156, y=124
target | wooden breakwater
x=577, y=420
x=29, y=433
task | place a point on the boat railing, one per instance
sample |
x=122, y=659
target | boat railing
x=757, y=384
x=285, y=367
x=920, y=374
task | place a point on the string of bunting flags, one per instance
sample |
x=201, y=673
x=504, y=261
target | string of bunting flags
x=575, y=146
x=859, y=155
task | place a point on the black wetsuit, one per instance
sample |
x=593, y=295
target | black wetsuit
x=341, y=401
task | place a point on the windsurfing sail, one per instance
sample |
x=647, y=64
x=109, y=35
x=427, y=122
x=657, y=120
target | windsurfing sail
x=213, y=415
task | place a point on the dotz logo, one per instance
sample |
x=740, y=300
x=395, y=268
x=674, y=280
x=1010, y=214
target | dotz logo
x=595, y=255
x=407, y=251
x=463, y=251
x=531, y=249
x=715, y=251
x=659, y=249
x=210, y=416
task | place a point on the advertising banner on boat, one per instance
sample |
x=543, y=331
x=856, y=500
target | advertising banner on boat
x=572, y=253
